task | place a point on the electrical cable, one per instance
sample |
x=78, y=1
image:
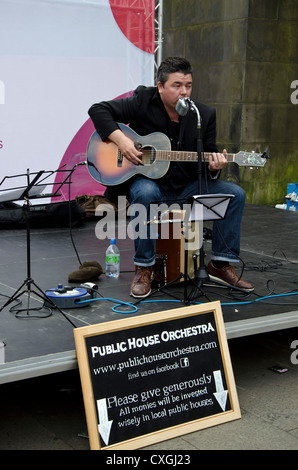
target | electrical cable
x=135, y=308
x=17, y=312
x=69, y=216
x=119, y=302
x=262, y=265
x=261, y=298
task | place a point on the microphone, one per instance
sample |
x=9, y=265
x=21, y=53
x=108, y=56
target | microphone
x=182, y=106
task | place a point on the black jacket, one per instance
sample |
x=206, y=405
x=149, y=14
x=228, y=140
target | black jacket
x=145, y=113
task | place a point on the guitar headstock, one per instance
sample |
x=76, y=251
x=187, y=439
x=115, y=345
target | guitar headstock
x=251, y=158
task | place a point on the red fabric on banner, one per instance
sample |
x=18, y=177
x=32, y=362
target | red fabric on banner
x=135, y=18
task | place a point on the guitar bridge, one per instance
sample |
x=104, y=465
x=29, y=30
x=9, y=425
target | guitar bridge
x=119, y=159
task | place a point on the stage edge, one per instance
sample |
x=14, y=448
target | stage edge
x=65, y=361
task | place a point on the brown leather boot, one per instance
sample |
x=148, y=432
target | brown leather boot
x=227, y=276
x=141, y=284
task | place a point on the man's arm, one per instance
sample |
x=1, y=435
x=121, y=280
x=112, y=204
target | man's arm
x=107, y=114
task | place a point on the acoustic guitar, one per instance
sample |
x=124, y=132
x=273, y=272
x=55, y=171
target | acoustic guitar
x=107, y=165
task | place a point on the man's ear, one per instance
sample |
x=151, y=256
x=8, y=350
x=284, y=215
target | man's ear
x=159, y=86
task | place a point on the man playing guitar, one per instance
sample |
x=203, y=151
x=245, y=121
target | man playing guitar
x=153, y=109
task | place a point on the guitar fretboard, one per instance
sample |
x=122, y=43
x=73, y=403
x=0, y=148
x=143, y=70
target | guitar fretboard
x=177, y=155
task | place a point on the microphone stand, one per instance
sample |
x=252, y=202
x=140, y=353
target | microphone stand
x=201, y=274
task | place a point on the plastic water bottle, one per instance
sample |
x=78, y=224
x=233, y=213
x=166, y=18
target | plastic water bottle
x=113, y=260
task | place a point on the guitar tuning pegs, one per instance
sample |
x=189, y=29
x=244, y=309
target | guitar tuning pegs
x=265, y=155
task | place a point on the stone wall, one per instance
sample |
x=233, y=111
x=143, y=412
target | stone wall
x=245, y=58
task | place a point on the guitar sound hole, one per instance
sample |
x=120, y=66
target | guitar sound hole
x=148, y=155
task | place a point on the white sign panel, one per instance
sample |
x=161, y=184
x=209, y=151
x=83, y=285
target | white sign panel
x=57, y=58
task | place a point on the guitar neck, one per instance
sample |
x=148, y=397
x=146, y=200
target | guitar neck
x=184, y=156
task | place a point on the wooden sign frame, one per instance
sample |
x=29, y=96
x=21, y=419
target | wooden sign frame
x=154, y=398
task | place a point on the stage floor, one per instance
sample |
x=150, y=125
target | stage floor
x=31, y=346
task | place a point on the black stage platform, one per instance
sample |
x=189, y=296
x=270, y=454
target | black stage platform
x=33, y=346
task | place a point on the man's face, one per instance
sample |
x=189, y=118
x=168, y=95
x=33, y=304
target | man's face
x=177, y=86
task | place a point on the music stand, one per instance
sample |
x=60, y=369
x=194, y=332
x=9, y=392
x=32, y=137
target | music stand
x=32, y=190
x=215, y=207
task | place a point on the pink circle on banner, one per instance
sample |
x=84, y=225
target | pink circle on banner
x=81, y=182
x=135, y=18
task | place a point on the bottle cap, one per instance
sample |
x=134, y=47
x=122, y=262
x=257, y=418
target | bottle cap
x=113, y=241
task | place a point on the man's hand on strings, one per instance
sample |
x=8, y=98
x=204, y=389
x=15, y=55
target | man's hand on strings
x=217, y=161
x=126, y=147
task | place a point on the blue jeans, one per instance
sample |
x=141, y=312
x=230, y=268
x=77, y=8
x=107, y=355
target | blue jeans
x=226, y=232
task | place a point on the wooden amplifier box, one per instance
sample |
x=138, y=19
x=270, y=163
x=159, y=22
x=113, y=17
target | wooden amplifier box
x=171, y=244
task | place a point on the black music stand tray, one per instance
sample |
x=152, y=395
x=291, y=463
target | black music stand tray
x=33, y=190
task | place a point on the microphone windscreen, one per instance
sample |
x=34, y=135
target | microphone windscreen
x=182, y=106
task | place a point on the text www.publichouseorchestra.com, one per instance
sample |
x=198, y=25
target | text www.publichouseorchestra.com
x=142, y=360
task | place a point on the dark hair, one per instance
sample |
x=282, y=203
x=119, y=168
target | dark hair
x=172, y=65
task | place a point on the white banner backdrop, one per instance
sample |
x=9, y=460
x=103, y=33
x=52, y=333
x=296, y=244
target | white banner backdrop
x=57, y=58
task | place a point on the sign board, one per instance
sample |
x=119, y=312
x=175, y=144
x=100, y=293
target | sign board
x=153, y=377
